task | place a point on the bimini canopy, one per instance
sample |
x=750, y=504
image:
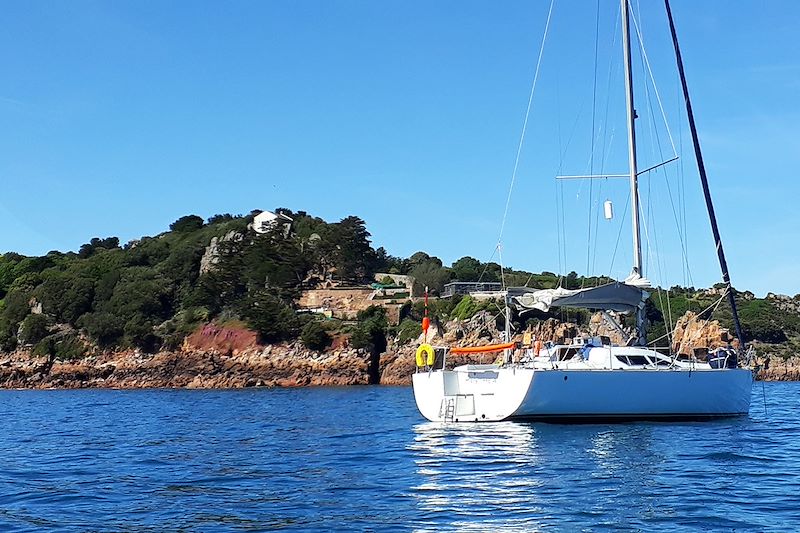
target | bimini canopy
x=623, y=297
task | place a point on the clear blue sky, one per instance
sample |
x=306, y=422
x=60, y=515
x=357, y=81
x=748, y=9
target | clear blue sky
x=119, y=117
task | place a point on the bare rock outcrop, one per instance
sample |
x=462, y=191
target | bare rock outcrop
x=779, y=369
x=211, y=255
x=785, y=303
x=212, y=357
x=693, y=332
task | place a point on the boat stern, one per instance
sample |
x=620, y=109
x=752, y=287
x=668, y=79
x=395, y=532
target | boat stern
x=473, y=393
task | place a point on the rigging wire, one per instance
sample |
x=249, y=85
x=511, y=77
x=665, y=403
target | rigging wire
x=682, y=183
x=650, y=213
x=559, y=206
x=619, y=234
x=522, y=136
x=679, y=214
x=713, y=308
x=525, y=122
x=560, y=187
x=652, y=79
x=659, y=259
x=591, y=152
x=502, y=268
x=614, y=61
x=528, y=280
x=681, y=234
x=564, y=233
x=596, y=229
x=559, y=190
x=606, y=149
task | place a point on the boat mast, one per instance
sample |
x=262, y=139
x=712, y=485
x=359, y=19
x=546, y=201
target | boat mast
x=723, y=264
x=632, y=166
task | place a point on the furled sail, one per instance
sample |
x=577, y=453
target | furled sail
x=623, y=297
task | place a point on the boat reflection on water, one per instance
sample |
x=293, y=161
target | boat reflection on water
x=627, y=460
x=469, y=471
x=512, y=476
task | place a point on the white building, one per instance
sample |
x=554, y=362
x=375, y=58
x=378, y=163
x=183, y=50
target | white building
x=265, y=220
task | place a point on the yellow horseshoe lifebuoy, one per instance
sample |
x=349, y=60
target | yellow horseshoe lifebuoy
x=425, y=355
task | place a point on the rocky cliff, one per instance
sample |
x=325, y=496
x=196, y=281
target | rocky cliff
x=230, y=357
x=280, y=365
x=779, y=369
x=693, y=332
x=212, y=357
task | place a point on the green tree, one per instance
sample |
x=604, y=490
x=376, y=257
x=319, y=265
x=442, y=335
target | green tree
x=305, y=226
x=8, y=264
x=16, y=306
x=763, y=322
x=408, y=330
x=270, y=317
x=314, y=336
x=8, y=340
x=148, y=251
x=182, y=264
x=187, y=223
x=467, y=269
x=34, y=328
x=33, y=265
x=430, y=274
x=105, y=328
x=216, y=219
x=96, y=244
x=354, y=257
x=389, y=263
x=65, y=295
x=572, y=281
x=141, y=291
x=468, y=306
x=370, y=334
x=139, y=333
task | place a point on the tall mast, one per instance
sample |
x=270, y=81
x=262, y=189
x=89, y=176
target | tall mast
x=632, y=166
x=723, y=264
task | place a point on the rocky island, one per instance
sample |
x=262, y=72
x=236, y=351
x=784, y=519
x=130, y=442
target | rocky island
x=285, y=299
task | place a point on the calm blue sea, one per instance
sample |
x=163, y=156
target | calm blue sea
x=362, y=459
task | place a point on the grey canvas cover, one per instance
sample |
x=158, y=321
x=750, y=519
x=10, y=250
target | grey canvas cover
x=623, y=297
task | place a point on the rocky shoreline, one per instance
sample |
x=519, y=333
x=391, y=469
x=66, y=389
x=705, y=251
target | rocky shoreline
x=272, y=366
x=287, y=365
x=215, y=357
x=779, y=370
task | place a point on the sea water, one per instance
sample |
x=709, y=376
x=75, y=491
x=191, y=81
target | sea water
x=362, y=459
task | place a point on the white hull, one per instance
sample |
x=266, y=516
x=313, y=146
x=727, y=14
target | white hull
x=492, y=393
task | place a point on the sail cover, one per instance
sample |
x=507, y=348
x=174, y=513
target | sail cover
x=623, y=297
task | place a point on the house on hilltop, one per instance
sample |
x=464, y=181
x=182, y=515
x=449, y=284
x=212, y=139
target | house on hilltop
x=266, y=220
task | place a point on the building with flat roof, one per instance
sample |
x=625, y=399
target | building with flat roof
x=467, y=287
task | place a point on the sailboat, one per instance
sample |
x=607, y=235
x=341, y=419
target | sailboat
x=591, y=378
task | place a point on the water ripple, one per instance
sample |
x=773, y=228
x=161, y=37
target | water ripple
x=362, y=459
